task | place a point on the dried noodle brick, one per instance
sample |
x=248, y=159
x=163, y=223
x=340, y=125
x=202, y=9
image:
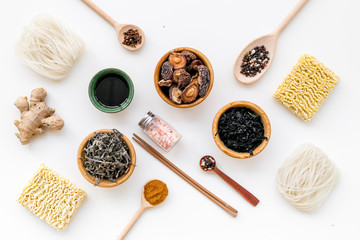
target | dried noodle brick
x=51, y=197
x=306, y=87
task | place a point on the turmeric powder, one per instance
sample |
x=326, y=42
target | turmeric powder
x=155, y=192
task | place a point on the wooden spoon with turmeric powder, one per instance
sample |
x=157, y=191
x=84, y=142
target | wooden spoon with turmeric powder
x=154, y=193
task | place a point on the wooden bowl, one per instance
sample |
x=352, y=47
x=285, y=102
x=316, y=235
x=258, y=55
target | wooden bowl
x=164, y=95
x=264, y=119
x=105, y=183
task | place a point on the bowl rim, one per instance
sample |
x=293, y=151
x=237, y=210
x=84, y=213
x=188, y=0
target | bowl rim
x=202, y=57
x=264, y=119
x=105, y=183
x=97, y=77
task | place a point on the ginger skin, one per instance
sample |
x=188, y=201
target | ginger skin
x=36, y=116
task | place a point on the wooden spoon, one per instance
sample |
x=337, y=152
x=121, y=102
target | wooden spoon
x=119, y=28
x=269, y=41
x=242, y=191
x=144, y=205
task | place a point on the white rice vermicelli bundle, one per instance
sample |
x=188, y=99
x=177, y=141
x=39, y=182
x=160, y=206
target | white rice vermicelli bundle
x=49, y=48
x=307, y=177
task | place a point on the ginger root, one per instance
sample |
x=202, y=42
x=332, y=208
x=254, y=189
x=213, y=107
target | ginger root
x=36, y=116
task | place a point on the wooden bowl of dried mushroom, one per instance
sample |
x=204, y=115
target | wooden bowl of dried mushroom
x=184, y=77
x=241, y=129
x=106, y=158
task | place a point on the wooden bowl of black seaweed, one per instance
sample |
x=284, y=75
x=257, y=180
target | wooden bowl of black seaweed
x=183, y=77
x=241, y=129
x=107, y=166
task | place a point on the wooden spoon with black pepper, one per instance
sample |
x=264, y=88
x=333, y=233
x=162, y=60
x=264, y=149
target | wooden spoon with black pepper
x=208, y=163
x=260, y=66
x=131, y=37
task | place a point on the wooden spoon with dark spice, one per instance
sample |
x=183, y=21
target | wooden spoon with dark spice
x=208, y=163
x=269, y=42
x=131, y=37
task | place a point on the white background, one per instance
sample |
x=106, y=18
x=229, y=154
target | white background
x=326, y=29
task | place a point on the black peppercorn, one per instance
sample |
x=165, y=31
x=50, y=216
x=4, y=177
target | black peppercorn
x=254, y=61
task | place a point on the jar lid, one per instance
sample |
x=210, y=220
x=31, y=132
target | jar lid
x=145, y=121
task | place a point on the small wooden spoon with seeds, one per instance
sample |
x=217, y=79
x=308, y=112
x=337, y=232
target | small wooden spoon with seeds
x=208, y=163
x=269, y=41
x=119, y=28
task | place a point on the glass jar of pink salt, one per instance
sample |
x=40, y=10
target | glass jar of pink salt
x=162, y=133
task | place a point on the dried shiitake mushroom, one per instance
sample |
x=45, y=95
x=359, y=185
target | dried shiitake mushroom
x=175, y=94
x=165, y=83
x=186, y=76
x=184, y=80
x=190, y=93
x=190, y=56
x=194, y=79
x=203, y=80
x=177, y=74
x=177, y=60
x=193, y=66
x=166, y=71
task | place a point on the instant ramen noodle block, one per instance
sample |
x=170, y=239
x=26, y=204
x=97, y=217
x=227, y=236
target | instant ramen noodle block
x=306, y=87
x=51, y=197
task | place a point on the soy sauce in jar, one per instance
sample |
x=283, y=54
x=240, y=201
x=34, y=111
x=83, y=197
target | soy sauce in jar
x=111, y=90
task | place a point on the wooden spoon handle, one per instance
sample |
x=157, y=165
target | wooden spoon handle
x=100, y=12
x=131, y=223
x=242, y=191
x=290, y=17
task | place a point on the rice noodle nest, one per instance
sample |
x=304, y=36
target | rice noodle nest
x=49, y=48
x=307, y=177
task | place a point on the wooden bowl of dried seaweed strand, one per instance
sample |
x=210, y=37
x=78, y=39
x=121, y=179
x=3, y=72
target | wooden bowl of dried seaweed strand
x=106, y=158
x=153, y=194
x=253, y=129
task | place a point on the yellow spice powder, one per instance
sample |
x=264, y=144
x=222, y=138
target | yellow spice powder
x=155, y=192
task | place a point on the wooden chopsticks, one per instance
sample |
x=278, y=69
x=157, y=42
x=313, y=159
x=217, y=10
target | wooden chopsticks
x=187, y=178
